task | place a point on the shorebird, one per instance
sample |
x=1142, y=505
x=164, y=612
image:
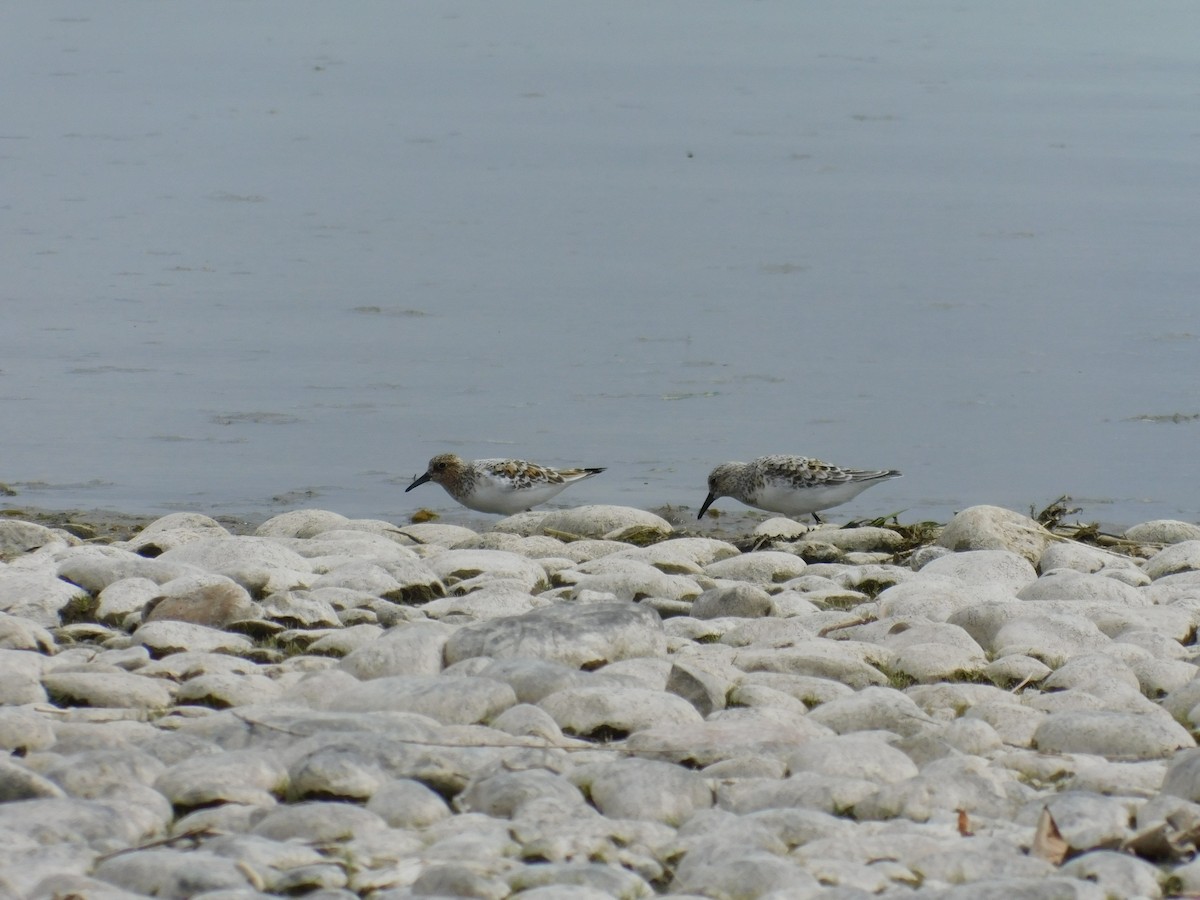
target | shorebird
x=498, y=485
x=792, y=485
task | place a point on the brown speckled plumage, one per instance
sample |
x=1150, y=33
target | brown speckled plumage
x=499, y=485
x=792, y=485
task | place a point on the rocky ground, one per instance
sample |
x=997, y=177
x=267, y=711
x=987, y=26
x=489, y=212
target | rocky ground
x=592, y=703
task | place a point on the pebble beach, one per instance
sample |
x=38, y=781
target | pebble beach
x=597, y=702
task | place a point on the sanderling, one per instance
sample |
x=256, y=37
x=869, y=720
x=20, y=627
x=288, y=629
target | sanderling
x=498, y=485
x=792, y=485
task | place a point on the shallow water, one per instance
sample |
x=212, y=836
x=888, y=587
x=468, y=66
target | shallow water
x=270, y=255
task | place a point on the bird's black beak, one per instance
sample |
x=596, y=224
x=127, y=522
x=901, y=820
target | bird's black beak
x=706, y=504
x=417, y=481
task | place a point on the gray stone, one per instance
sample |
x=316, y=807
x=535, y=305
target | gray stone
x=872, y=579
x=120, y=598
x=934, y=662
x=298, y=609
x=995, y=528
x=18, y=538
x=319, y=823
x=781, y=528
x=1183, y=776
x=408, y=804
x=870, y=709
x=222, y=690
x=332, y=548
x=820, y=658
x=438, y=534
x=1125, y=779
x=1067, y=585
x=1181, y=701
x=20, y=687
x=445, y=698
x=95, y=568
x=805, y=790
x=21, y=634
x=22, y=730
x=166, y=637
x=533, y=679
x=237, y=776
x=744, y=601
x=578, y=881
x=259, y=564
x=526, y=720
x=1163, y=531
x=606, y=710
x=644, y=789
x=210, y=600
x=19, y=782
x=37, y=597
x=190, y=664
x=1159, y=675
x=453, y=879
x=1119, y=874
x=501, y=795
x=464, y=570
x=640, y=672
x=764, y=567
x=106, y=689
x=1082, y=558
x=962, y=866
x=1181, y=557
x=581, y=636
x=341, y=641
x=301, y=523
x=683, y=555
x=1113, y=735
x=935, y=599
x=1046, y=636
x=403, y=581
x=984, y=567
x=1018, y=888
x=864, y=755
x=751, y=874
x=94, y=774
x=1085, y=821
x=174, y=530
x=103, y=826
x=281, y=867
x=62, y=883
x=412, y=649
x=605, y=522
x=174, y=874
x=863, y=539
x=810, y=690
x=947, y=785
x=333, y=772
x=626, y=579
x=538, y=546
x=759, y=696
x=716, y=740
x=703, y=684
x=492, y=601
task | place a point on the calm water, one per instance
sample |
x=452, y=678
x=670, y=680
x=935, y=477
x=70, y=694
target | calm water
x=269, y=255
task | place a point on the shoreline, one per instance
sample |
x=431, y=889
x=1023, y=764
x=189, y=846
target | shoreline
x=593, y=696
x=95, y=523
x=738, y=526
